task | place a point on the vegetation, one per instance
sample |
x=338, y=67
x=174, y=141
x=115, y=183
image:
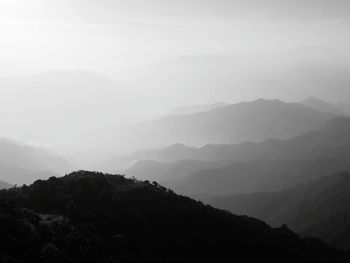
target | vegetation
x=95, y=217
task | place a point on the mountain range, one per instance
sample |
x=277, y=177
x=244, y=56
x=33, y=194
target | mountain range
x=319, y=208
x=321, y=105
x=301, y=71
x=177, y=137
x=185, y=110
x=275, y=172
x=246, y=121
x=270, y=165
x=62, y=108
x=22, y=164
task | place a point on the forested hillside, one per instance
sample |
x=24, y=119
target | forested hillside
x=95, y=217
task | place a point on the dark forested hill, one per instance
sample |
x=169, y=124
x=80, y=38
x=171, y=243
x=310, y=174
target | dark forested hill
x=320, y=208
x=93, y=217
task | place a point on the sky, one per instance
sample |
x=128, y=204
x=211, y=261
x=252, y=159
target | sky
x=109, y=36
x=163, y=54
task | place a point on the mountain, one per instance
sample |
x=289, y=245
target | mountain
x=196, y=108
x=174, y=153
x=344, y=107
x=320, y=208
x=247, y=121
x=162, y=172
x=253, y=176
x=270, y=165
x=22, y=163
x=95, y=217
x=19, y=176
x=171, y=153
x=322, y=105
x=62, y=108
x=301, y=71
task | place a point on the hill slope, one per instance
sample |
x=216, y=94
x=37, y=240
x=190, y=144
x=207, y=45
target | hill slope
x=22, y=163
x=253, y=121
x=92, y=217
x=161, y=172
x=252, y=176
x=319, y=208
x=322, y=105
x=327, y=137
x=196, y=108
x=63, y=108
x=271, y=165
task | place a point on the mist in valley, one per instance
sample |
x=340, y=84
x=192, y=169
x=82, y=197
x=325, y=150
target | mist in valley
x=182, y=108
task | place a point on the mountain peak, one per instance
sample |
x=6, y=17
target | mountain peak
x=321, y=105
x=262, y=100
x=314, y=99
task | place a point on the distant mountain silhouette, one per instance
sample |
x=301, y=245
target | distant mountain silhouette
x=95, y=217
x=196, y=108
x=319, y=208
x=256, y=175
x=322, y=105
x=266, y=166
x=62, y=108
x=252, y=121
x=161, y=171
x=300, y=71
x=344, y=107
x=21, y=163
x=174, y=152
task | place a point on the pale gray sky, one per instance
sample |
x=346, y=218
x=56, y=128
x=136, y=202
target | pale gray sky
x=176, y=52
x=108, y=35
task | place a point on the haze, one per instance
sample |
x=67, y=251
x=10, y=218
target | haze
x=76, y=74
x=175, y=131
